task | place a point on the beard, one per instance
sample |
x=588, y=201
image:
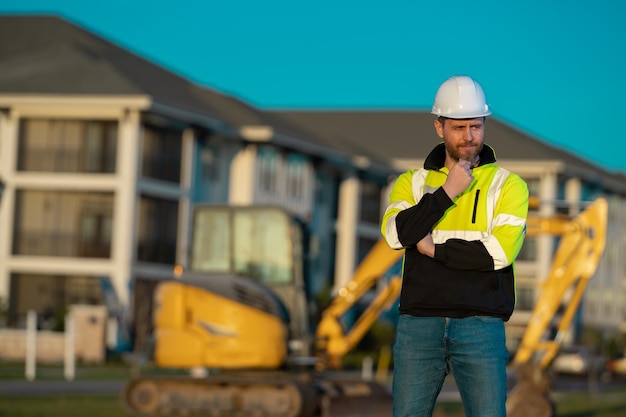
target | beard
x=463, y=153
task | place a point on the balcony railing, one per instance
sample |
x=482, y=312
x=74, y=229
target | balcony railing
x=58, y=244
x=54, y=159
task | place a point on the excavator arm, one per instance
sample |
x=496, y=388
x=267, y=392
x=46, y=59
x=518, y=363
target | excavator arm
x=582, y=242
x=332, y=340
x=576, y=260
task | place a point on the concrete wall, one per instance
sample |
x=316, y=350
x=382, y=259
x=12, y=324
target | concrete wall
x=89, y=342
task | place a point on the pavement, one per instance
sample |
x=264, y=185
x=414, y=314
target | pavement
x=11, y=388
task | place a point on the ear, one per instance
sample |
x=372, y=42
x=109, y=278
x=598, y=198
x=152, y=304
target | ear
x=439, y=128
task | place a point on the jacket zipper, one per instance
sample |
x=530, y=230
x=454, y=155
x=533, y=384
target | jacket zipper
x=475, y=206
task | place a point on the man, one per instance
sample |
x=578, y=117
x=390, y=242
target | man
x=461, y=222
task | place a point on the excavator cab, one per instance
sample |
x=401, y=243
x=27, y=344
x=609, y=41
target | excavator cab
x=245, y=292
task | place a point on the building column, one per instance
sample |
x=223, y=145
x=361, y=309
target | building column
x=573, y=195
x=545, y=244
x=125, y=208
x=242, y=170
x=346, y=228
x=8, y=154
x=184, y=203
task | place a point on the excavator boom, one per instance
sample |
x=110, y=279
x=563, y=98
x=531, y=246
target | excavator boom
x=333, y=341
x=576, y=259
x=582, y=242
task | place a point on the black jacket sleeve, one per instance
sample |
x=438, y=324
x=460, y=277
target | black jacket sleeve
x=465, y=255
x=416, y=222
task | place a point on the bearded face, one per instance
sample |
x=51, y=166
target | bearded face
x=463, y=138
x=466, y=152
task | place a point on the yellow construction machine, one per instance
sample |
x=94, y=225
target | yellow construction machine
x=582, y=242
x=239, y=315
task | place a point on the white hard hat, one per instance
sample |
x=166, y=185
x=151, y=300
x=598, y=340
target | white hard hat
x=460, y=97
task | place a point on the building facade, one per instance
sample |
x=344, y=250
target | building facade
x=99, y=183
x=104, y=154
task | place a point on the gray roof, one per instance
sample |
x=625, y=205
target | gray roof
x=405, y=135
x=49, y=55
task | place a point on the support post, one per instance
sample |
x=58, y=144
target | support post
x=69, y=370
x=31, y=345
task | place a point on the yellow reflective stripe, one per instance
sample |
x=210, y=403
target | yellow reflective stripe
x=389, y=229
x=419, y=186
x=510, y=239
x=429, y=189
x=508, y=219
x=500, y=259
x=440, y=236
x=494, y=194
x=491, y=243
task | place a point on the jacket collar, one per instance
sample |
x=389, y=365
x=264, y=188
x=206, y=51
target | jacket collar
x=437, y=157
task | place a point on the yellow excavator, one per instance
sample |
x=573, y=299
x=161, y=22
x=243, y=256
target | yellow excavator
x=582, y=242
x=239, y=315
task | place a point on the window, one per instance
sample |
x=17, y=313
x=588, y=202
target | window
x=365, y=245
x=209, y=159
x=370, y=202
x=525, y=297
x=296, y=176
x=161, y=153
x=268, y=170
x=61, y=223
x=212, y=241
x=256, y=242
x=263, y=246
x=67, y=146
x=157, y=230
x=50, y=296
x=284, y=179
x=95, y=233
x=529, y=248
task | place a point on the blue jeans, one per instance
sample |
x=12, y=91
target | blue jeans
x=427, y=348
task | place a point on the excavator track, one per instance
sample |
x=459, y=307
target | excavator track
x=256, y=396
x=245, y=396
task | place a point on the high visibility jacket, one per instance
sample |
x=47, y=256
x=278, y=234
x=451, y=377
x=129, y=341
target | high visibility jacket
x=477, y=237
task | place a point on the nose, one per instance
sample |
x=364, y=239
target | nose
x=469, y=135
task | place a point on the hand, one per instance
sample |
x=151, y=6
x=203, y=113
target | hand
x=426, y=246
x=459, y=178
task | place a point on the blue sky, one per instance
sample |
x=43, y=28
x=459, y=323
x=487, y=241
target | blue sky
x=555, y=71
